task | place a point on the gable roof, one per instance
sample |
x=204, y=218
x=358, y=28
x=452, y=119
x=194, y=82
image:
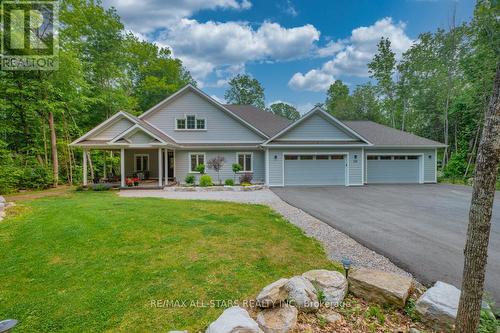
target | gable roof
x=381, y=135
x=329, y=117
x=190, y=87
x=267, y=122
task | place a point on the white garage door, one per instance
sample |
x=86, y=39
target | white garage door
x=315, y=170
x=387, y=169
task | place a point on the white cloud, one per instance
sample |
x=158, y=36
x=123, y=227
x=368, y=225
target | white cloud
x=314, y=80
x=205, y=47
x=289, y=8
x=218, y=99
x=351, y=56
x=145, y=16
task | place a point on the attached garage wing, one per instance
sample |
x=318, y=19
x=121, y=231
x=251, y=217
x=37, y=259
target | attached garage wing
x=394, y=169
x=315, y=169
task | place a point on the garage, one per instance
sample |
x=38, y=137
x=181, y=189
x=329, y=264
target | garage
x=314, y=169
x=387, y=169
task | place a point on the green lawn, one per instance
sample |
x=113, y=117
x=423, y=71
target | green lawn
x=92, y=262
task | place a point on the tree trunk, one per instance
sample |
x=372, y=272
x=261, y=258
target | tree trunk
x=478, y=232
x=53, y=148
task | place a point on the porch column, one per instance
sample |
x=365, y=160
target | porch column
x=166, y=166
x=122, y=167
x=160, y=173
x=85, y=167
x=266, y=168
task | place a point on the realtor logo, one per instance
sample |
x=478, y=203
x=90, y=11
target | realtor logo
x=29, y=35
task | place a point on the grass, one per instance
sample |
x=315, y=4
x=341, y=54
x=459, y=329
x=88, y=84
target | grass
x=93, y=261
x=462, y=181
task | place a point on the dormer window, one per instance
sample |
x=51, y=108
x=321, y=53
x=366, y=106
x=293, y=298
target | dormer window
x=190, y=122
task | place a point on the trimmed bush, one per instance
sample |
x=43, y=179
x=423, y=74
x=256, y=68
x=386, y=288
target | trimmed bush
x=205, y=181
x=189, y=179
x=229, y=182
x=246, y=179
x=200, y=168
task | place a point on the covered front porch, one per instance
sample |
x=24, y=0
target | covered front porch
x=131, y=167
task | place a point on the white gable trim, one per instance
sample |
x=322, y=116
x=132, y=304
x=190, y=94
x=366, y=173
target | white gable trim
x=315, y=110
x=209, y=99
x=103, y=125
x=136, y=127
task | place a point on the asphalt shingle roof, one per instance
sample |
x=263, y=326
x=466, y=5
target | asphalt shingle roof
x=381, y=135
x=267, y=122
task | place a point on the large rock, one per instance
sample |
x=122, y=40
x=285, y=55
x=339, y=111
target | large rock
x=234, y=320
x=439, y=305
x=281, y=319
x=302, y=294
x=332, y=283
x=380, y=287
x=273, y=294
x=2, y=199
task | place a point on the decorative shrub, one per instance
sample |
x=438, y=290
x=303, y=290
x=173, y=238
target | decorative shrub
x=236, y=167
x=205, y=181
x=189, y=179
x=200, y=168
x=246, y=179
x=100, y=187
x=216, y=164
x=229, y=182
x=129, y=182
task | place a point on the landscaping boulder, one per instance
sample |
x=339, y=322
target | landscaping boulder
x=281, y=319
x=302, y=294
x=234, y=320
x=439, y=305
x=332, y=283
x=273, y=294
x=380, y=287
x=331, y=316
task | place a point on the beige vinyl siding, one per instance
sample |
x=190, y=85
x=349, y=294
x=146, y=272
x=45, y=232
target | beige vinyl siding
x=429, y=156
x=112, y=130
x=182, y=164
x=220, y=126
x=316, y=127
x=276, y=163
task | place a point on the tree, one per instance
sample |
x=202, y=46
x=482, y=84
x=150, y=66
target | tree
x=243, y=89
x=284, y=110
x=382, y=68
x=478, y=231
x=338, y=101
x=217, y=163
x=365, y=105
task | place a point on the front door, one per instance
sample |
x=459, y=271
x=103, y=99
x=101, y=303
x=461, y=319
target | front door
x=171, y=162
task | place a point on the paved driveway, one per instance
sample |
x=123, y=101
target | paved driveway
x=421, y=228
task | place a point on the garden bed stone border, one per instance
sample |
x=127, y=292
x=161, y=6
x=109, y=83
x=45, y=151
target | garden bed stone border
x=224, y=188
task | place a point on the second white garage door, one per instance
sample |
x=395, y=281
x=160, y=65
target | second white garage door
x=387, y=169
x=315, y=170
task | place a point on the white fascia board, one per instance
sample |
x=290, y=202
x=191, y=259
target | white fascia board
x=104, y=124
x=309, y=114
x=208, y=98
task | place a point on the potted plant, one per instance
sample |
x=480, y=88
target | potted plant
x=136, y=181
x=129, y=182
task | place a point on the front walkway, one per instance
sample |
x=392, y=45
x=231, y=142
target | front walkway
x=336, y=244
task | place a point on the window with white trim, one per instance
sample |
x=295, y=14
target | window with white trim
x=190, y=122
x=245, y=160
x=195, y=159
x=141, y=162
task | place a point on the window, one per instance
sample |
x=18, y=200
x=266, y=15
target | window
x=291, y=157
x=181, y=123
x=190, y=123
x=412, y=157
x=321, y=157
x=141, y=162
x=386, y=157
x=337, y=157
x=200, y=123
x=400, y=157
x=245, y=160
x=195, y=159
x=372, y=157
x=306, y=157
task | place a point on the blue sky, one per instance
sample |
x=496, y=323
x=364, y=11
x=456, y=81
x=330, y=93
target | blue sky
x=294, y=48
